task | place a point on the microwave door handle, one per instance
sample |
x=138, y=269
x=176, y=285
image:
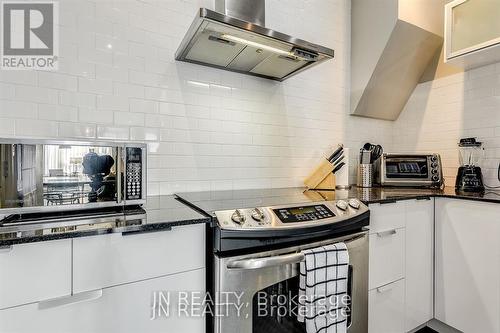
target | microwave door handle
x=258, y=263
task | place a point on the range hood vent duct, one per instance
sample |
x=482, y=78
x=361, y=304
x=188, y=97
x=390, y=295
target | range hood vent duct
x=233, y=37
x=393, y=43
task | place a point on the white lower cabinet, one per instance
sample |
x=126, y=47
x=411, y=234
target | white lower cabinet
x=386, y=308
x=387, y=260
x=419, y=273
x=109, y=260
x=401, y=265
x=468, y=265
x=124, y=308
x=34, y=271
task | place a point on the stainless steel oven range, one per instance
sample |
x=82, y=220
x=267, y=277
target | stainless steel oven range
x=256, y=242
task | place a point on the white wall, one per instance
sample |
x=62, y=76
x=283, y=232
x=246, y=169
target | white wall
x=441, y=112
x=230, y=131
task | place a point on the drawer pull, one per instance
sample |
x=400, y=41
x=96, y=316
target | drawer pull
x=139, y=232
x=6, y=249
x=387, y=233
x=68, y=300
x=384, y=289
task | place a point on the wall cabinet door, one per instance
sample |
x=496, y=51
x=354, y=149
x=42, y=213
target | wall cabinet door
x=108, y=260
x=125, y=308
x=467, y=295
x=35, y=271
x=386, y=308
x=472, y=36
x=419, y=261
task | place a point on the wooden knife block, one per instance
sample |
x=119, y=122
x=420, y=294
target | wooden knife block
x=322, y=177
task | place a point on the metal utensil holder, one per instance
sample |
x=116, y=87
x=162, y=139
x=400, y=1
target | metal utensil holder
x=365, y=175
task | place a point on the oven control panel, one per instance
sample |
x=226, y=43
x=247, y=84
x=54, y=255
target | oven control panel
x=289, y=216
x=303, y=213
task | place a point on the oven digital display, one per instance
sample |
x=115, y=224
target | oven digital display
x=302, y=210
x=303, y=213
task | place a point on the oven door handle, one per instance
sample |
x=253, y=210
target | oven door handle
x=259, y=263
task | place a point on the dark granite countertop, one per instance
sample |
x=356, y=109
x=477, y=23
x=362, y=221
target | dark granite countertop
x=160, y=213
x=391, y=194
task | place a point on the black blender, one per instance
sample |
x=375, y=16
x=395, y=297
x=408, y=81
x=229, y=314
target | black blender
x=469, y=177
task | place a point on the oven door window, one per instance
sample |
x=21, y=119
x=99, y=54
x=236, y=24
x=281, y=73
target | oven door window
x=407, y=169
x=275, y=308
x=34, y=175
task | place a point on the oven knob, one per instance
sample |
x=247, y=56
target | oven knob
x=354, y=203
x=434, y=171
x=342, y=205
x=435, y=178
x=257, y=214
x=434, y=165
x=237, y=217
x=433, y=158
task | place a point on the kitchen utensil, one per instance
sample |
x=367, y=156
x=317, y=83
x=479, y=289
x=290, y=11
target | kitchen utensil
x=336, y=153
x=365, y=175
x=376, y=151
x=338, y=167
x=337, y=161
x=366, y=157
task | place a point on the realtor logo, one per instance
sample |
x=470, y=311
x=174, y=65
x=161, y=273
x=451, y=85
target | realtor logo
x=29, y=35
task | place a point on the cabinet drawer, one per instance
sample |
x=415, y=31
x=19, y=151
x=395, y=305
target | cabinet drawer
x=387, y=254
x=35, y=271
x=108, y=260
x=124, y=309
x=386, y=308
x=387, y=216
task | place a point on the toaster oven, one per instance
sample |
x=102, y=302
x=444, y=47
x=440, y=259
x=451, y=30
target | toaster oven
x=48, y=175
x=411, y=170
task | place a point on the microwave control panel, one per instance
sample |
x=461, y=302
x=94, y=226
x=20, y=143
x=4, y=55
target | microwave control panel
x=133, y=179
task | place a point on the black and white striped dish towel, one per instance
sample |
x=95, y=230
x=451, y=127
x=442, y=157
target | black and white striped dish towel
x=323, y=289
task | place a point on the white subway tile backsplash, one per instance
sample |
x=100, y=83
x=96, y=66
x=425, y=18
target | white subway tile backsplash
x=113, y=133
x=57, y=112
x=128, y=90
x=36, y=94
x=77, y=99
x=7, y=126
x=110, y=102
x=129, y=118
x=19, y=77
x=95, y=86
x=87, y=115
x=205, y=128
x=36, y=128
x=144, y=106
x=57, y=81
x=144, y=134
x=77, y=130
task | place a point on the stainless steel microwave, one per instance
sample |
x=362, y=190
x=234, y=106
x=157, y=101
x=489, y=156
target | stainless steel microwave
x=48, y=175
x=412, y=170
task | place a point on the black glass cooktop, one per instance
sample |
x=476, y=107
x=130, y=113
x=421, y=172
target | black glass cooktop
x=211, y=201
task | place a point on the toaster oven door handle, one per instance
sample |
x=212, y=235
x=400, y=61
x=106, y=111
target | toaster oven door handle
x=259, y=263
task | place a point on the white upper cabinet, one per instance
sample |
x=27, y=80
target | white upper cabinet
x=472, y=36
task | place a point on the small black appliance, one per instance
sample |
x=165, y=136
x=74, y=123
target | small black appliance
x=469, y=177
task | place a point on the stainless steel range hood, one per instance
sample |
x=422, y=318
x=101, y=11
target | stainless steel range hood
x=392, y=44
x=234, y=38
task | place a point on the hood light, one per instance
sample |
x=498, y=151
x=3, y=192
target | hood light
x=258, y=45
